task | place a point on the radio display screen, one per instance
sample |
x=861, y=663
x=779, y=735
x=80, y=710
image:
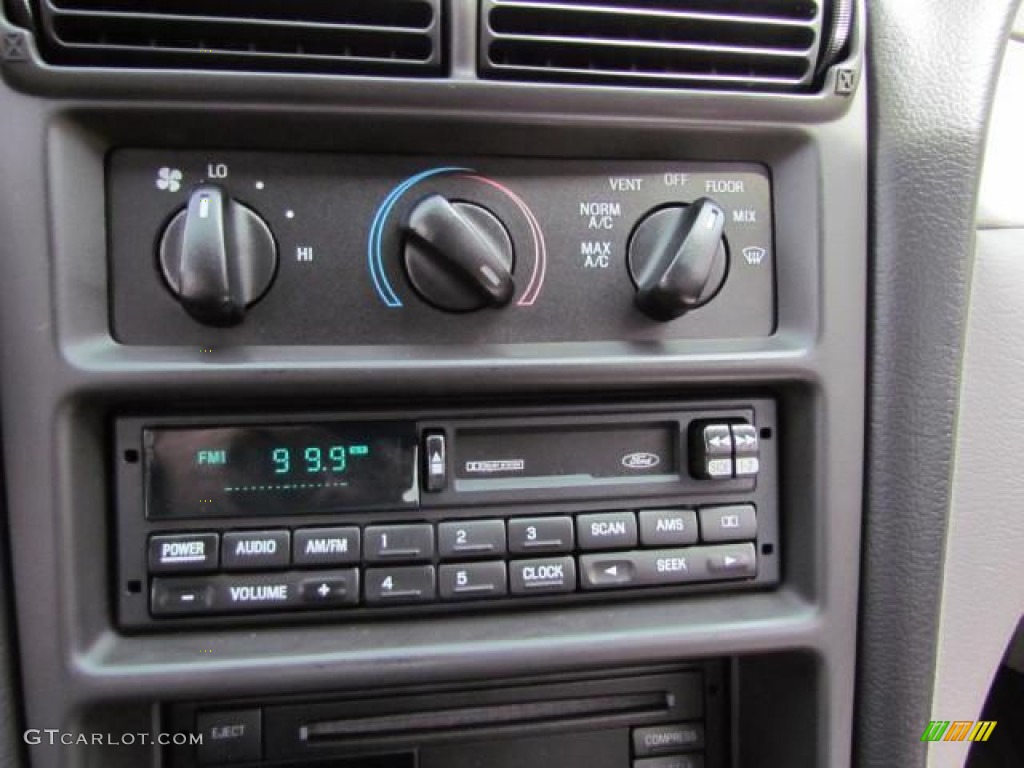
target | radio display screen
x=254, y=470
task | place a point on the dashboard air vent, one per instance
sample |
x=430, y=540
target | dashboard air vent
x=383, y=37
x=724, y=44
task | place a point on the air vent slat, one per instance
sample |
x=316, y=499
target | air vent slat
x=388, y=37
x=140, y=21
x=514, y=10
x=754, y=44
x=709, y=48
x=790, y=9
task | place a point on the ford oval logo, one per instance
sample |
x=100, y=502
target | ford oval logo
x=641, y=460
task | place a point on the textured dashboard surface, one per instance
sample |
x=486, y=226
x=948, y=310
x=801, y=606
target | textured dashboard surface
x=932, y=72
x=983, y=578
x=983, y=573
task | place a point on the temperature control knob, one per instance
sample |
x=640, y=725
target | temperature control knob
x=678, y=259
x=458, y=255
x=217, y=256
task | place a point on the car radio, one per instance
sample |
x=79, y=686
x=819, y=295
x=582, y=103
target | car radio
x=344, y=515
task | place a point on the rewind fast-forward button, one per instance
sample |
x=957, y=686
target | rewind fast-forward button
x=747, y=450
x=711, y=451
x=724, y=451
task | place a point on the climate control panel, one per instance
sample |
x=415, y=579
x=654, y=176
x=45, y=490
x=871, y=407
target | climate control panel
x=221, y=248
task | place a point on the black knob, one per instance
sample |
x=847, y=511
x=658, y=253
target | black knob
x=678, y=259
x=458, y=255
x=217, y=256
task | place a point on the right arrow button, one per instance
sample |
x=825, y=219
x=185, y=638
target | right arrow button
x=731, y=561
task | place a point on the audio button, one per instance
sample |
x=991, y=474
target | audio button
x=256, y=550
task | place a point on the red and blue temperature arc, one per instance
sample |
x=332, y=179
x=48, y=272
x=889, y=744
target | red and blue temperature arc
x=375, y=253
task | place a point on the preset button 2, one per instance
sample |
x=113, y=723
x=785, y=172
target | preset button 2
x=472, y=538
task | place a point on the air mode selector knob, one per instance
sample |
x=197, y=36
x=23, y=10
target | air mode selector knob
x=678, y=258
x=217, y=256
x=458, y=255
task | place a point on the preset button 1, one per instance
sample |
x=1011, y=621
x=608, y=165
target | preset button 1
x=387, y=543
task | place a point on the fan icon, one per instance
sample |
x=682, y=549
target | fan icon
x=168, y=179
